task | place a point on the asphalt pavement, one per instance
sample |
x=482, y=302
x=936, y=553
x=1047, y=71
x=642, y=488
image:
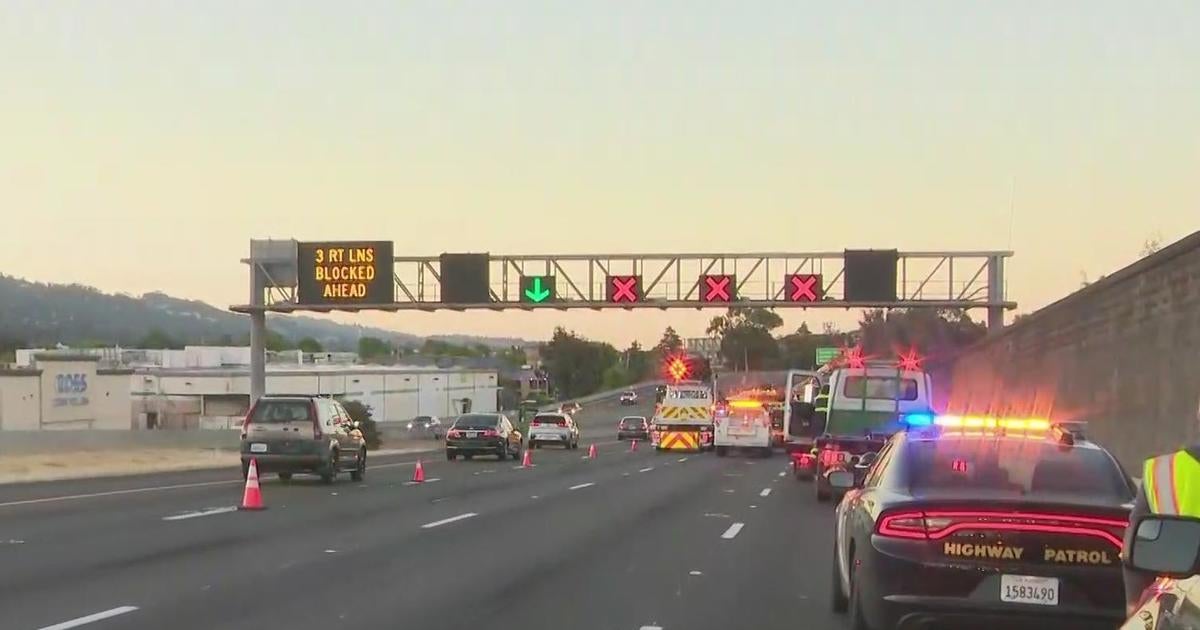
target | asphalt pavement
x=630, y=540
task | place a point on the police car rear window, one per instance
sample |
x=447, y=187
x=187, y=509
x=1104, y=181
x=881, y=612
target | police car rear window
x=1020, y=467
x=880, y=388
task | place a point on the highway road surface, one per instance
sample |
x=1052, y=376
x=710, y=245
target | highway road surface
x=631, y=540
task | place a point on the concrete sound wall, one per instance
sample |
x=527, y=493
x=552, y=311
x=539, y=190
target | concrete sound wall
x=1122, y=354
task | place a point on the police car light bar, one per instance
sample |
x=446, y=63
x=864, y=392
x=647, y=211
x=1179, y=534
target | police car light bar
x=976, y=422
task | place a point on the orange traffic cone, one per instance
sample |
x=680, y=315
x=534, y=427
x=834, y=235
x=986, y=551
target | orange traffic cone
x=592, y=452
x=526, y=461
x=418, y=473
x=252, y=497
x=633, y=446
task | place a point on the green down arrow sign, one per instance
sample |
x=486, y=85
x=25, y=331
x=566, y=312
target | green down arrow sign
x=537, y=289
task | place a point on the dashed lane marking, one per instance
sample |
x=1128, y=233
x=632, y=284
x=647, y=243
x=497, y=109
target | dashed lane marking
x=580, y=486
x=733, y=531
x=113, y=493
x=647, y=469
x=83, y=621
x=681, y=460
x=198, y=514
x=765, y=492
x=447, y=521
x=783, y=474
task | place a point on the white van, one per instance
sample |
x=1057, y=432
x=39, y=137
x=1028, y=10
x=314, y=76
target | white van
x=742, y=424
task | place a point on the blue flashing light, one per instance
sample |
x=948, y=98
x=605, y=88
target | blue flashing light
x=918, y=419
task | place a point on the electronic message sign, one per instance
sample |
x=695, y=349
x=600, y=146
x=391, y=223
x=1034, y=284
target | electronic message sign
x=344, y=273
x=624, y=289
x=718, y=288
x=803, y=287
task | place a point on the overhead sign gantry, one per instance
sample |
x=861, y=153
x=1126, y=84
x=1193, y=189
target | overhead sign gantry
x=288, y=276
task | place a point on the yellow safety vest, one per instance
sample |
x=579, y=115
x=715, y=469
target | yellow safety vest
x=1172, y=483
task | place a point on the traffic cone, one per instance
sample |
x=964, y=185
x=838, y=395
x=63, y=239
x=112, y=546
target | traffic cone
x=418, y=473
x=592, y=452
x=252, y=496
x=633, y=446
x=526, y=461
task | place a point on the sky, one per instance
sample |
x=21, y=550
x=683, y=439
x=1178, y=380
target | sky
x=144, y=143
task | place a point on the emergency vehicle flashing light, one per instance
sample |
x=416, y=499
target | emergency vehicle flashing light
x=745, y=404
x=677, y=368
x=976, y=422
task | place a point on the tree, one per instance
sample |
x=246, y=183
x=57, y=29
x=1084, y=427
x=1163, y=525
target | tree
x=745, y=334
x=513, y=356
x=373, y=348
x=361, y=413
x=310, y=345
x=670, y=342
x=156, y=339
x=1151, y=246
x=276, y=342
x=932, y=332
x=577, y=365
x=638, y=363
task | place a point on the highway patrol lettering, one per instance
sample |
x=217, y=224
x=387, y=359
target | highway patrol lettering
x=998, y=552
x=1076, y=556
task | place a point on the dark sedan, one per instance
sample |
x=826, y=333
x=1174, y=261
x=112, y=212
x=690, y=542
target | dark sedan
x=633, y=428
x=982, y=529
x=483, y=434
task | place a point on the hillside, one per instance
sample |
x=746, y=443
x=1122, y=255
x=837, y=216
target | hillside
x=37, y=314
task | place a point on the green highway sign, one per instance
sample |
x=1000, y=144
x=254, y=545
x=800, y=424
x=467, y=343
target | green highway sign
x=826, y=354
x=537, y=289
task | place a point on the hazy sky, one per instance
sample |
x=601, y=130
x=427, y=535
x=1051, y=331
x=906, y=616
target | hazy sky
x=142, y=144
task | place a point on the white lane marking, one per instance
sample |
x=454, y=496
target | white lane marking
x=765, y=492
x=111, y=493
x=394, y=464
x=681, y=460
x=733, y=530
x=417, y=483
x=729, y=490
x=716, y=515
x=647, y=469
x=208, y=512
x=12, y=541
x=83, y=621
x=695, y=573
x=783, y=474
x=753, y=506
x=650, y=628
x=581, y=485
x=331, y=551
x=449, y=520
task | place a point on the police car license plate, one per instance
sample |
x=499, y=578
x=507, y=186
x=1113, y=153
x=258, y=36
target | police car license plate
x=1028, y=589
x=258, y=447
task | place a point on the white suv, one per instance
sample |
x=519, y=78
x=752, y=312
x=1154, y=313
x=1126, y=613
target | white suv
x=553, y=426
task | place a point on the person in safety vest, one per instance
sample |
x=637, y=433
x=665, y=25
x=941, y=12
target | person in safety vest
x=1170, y=486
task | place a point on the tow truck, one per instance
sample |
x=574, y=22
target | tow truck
x=868, y=402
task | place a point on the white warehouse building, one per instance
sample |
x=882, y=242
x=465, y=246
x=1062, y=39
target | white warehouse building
x=133, y=389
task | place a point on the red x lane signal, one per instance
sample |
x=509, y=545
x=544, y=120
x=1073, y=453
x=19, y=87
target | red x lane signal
x=804, y=287
x=717, y=288
x=624, y=289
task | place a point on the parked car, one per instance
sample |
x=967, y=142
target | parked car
x=426, y=427
x=305, y=434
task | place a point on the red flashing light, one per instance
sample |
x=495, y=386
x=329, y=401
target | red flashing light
x=959, y=466
x=855, y=358
x=910, y=361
